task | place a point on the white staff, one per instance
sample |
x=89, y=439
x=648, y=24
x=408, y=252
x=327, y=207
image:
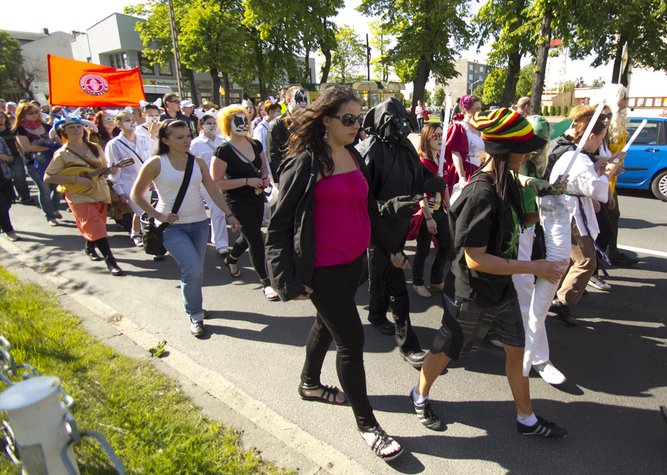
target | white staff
x=584, y=137
x=634, y=136
x=448, y=108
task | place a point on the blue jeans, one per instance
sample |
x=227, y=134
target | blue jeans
x=49, y=198
x=20, y=183
x=187, y=245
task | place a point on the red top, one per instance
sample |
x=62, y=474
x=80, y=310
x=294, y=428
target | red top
x=457, y=141
x=340, y=218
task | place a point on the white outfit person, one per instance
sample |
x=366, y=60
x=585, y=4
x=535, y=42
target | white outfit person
x=204, y=148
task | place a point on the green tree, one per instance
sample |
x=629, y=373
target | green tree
x=507, y=22
x=427, y=34
x=380, y=40
x=11, y=65
x=609, y=24
x=439, y=96
x=525, y=81
x=494, y=85
x=349, y=55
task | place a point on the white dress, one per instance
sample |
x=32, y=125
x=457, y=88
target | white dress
x=475, y=145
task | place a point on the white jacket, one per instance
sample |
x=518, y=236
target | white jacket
x=119, y=148
x=583, y=184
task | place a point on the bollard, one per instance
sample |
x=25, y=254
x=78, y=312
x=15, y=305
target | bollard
x=37, y=418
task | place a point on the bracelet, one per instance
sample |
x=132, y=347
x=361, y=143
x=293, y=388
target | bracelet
x=430, y=219
x=230, y=215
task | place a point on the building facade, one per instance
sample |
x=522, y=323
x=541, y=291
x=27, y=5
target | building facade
x=471, y=75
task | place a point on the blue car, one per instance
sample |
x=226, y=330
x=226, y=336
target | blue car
x=646, y=162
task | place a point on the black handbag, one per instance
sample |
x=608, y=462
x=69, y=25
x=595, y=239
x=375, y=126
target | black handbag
x=151, y=235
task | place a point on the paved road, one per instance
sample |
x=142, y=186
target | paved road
x=616, y=360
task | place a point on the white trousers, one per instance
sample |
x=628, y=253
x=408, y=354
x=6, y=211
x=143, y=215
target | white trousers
x=219, y=235
x=535, y=299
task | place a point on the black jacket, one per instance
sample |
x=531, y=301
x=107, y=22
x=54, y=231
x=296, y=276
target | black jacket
x=276, y=141
x=290, y=241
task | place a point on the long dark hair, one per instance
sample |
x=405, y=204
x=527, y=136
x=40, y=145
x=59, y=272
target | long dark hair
x=163, y=132
x=507, y=188
x=307, y=126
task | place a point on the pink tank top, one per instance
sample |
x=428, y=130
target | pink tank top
x=340, y=218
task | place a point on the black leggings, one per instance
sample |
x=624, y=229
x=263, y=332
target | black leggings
x=424, y=247
x=6, y=197
x=250, y=215
x=338, y=320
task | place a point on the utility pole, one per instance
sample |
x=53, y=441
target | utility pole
x=368, y=60
x=177, y=57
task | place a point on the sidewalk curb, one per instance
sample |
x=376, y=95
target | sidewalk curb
x=275, y=438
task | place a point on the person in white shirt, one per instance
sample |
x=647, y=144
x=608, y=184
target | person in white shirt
x=128, y=144
x=204, y=147
x=271, y=111
x=151, y=124
x=588, y=182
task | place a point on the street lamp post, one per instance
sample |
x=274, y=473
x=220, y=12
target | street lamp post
x=472, y=85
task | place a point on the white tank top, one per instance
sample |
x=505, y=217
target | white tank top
x=168, y=182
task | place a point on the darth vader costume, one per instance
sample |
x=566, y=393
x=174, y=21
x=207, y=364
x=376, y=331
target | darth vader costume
x=398, y=180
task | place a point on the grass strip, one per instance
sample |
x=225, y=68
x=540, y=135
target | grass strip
x=145, y=416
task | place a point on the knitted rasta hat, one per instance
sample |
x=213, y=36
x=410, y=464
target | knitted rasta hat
x=504, y=131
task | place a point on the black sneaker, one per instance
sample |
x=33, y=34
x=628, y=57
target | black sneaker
x=426, y=415
x=543, y=428
x=563, y=312
x=197, y=328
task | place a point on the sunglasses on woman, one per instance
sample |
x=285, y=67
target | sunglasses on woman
x=348, y=120
x=436, y=136
x=606, y=116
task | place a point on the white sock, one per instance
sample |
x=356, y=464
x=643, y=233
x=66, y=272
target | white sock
x=527, y=421
x=417, y=398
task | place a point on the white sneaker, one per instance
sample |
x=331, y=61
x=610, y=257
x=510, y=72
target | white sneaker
x=599, y=283
x=422, y=291
x=136, y=239
x=549, y=373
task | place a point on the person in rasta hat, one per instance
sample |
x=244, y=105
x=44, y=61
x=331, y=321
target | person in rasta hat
x=479, y=294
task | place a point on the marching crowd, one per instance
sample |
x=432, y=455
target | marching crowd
x=521, y=226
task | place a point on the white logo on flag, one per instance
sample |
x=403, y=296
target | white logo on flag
x=93, y=84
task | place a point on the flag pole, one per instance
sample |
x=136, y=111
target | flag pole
x=174, y=41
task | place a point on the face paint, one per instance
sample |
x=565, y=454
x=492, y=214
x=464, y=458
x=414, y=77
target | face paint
x=208, y=127
x=128, y=124
x=299, y=100
x=239, y=124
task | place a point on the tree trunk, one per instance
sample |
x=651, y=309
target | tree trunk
x=327, y=65
x=215, y=78
x=421, y=77
x=306, y=72
x=513, y=70
x=542, y=56
x=227, y=86
x=193, y=85
x=618, y=59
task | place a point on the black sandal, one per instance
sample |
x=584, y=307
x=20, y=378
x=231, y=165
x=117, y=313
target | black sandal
x=380, y=442
x=229, y=262
x=328, y=395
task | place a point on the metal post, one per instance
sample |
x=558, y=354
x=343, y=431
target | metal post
x=37, y=420
x=174, y=40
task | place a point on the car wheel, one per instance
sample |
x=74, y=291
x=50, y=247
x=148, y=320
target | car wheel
x=659, y=185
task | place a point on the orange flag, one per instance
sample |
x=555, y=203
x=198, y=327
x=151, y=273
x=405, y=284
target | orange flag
x=80, y=84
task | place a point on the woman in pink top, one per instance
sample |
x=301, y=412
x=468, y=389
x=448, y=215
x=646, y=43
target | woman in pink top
x=316, y=241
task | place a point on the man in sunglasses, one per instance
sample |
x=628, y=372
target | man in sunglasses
x=398, y=180
x=172, y=108
x=276, y=138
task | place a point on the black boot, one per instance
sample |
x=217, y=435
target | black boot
x=112, y=265
x=90, y=251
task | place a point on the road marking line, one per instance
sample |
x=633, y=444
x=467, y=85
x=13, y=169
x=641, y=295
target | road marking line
x=641, y=250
